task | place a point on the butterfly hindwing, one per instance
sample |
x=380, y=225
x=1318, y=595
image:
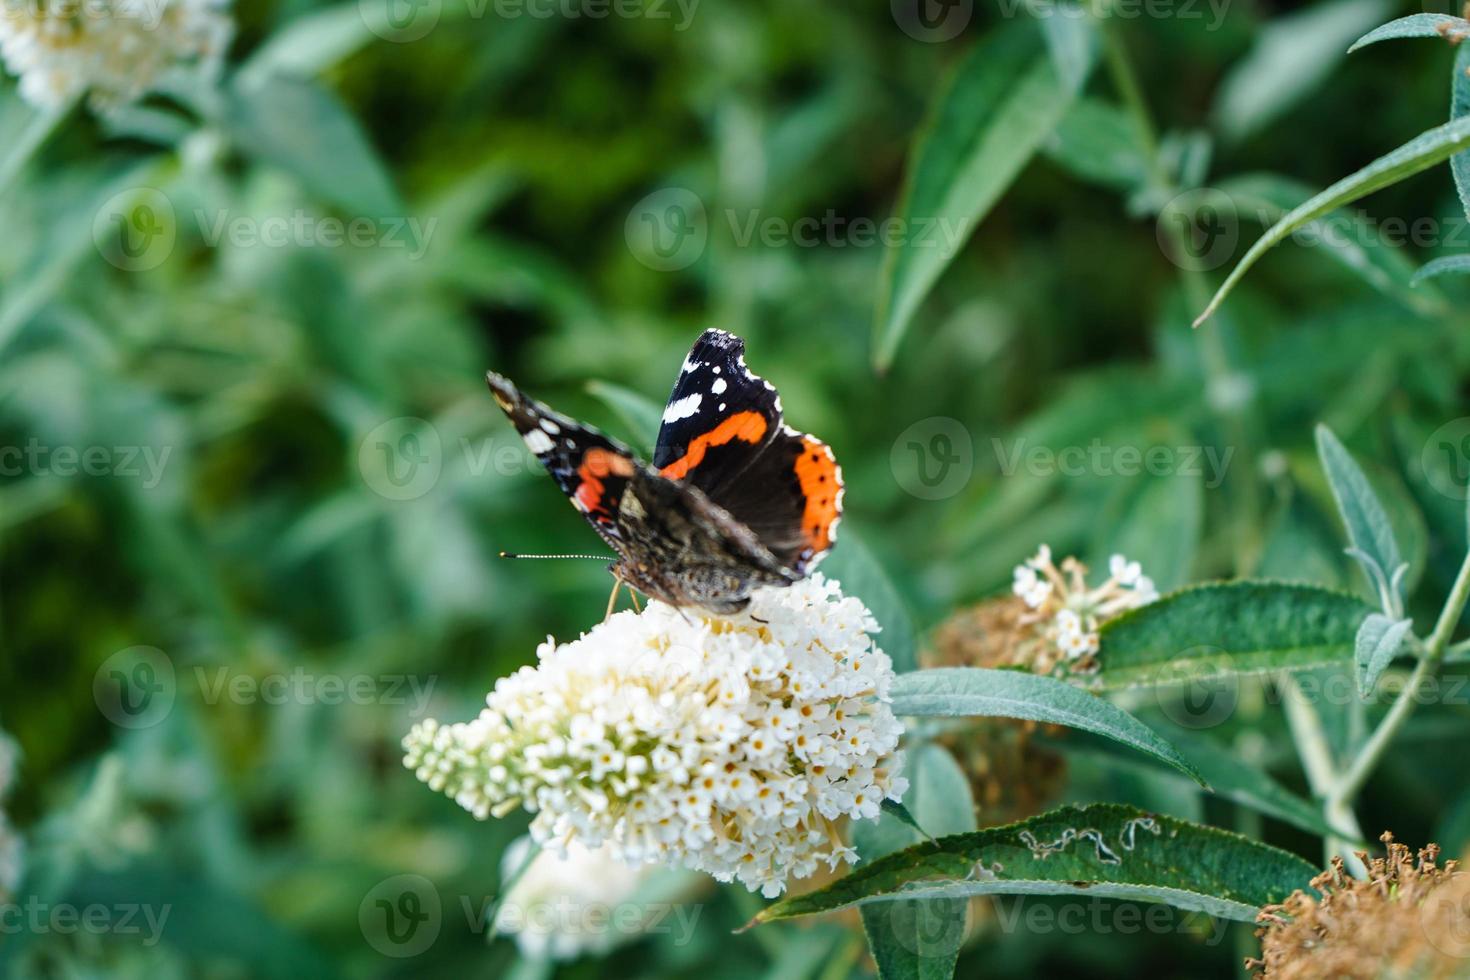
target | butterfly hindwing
x=593, y=470
x=724, y=433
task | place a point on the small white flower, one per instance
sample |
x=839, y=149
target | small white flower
x=1067, y=613
x=696, y=758
x=1126, y=572
x=115, y=51
x=582, y=902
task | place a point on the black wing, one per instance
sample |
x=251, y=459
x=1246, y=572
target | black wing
x=591, y=469
x=724, y=432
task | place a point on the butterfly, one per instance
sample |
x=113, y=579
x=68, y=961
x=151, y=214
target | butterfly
x=734, y=499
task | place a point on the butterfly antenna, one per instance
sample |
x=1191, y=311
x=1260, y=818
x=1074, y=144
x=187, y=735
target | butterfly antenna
x=512, y=554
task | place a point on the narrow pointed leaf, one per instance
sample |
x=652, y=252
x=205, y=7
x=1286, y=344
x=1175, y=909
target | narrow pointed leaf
x=1367, y=523
x=1459, y=108
x=1421, y=153
x=1444, y=266
x=1414, y=25
x=1102, y=850
x=982, y=692
x=1379, y=641
x=1004, y=100
x=1229, y=628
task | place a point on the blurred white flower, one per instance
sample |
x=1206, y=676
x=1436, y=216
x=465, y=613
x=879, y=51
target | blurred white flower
x=115, y=51
x=1067, y=612
x=585, y=901
x=726, y=744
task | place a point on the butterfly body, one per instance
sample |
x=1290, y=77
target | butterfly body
x=734, y=500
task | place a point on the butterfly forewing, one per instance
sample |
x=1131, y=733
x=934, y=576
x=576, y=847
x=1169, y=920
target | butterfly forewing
x=593, y=470
x=724, y=432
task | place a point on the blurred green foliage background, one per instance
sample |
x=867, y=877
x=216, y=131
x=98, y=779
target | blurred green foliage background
x=274, y=536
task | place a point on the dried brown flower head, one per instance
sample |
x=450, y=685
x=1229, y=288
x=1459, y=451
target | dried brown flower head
x=1011, y=775
x=1410, y=918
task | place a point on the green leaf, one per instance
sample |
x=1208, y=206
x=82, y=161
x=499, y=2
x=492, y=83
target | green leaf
x=852, y=563
x=1366, y=521
x=1385, y=268
x=980, y=691
x=918, y=940
x=1100, y=850
x=303, y=129
x=1229, y=628
x=1002, y=102
x=1420, y=153
x=1414, y=25
x=1098, y=142
x=1459, y=107
x=1379, y=641
x=1445, y=265
x=1292, y=55
x=1248, y=785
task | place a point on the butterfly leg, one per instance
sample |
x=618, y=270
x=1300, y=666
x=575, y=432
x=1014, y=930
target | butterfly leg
x=612, y=600
x=637, y=606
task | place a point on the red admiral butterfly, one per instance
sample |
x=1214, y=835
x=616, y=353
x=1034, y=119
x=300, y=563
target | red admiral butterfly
x=735, y=498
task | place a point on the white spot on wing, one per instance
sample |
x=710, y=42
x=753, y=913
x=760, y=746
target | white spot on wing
x=683, y=407
x=719, y=386
x=691, y=365
x=538, y=442
x=550, y=426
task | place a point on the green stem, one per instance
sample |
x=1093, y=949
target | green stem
x=1125, y=80
x=1434, y=649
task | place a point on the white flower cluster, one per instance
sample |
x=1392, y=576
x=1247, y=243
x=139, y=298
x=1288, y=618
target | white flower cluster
x=584, y=902
x=1068, y=611
x=116, y=50
x=726, y=744
x=12, y=848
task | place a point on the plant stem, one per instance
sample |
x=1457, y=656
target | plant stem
x=1316, y=755
x=1383, y=736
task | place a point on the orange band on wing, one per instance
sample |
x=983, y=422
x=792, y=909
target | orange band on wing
x=821, y=485
x=743, y=426
x=596, y=464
